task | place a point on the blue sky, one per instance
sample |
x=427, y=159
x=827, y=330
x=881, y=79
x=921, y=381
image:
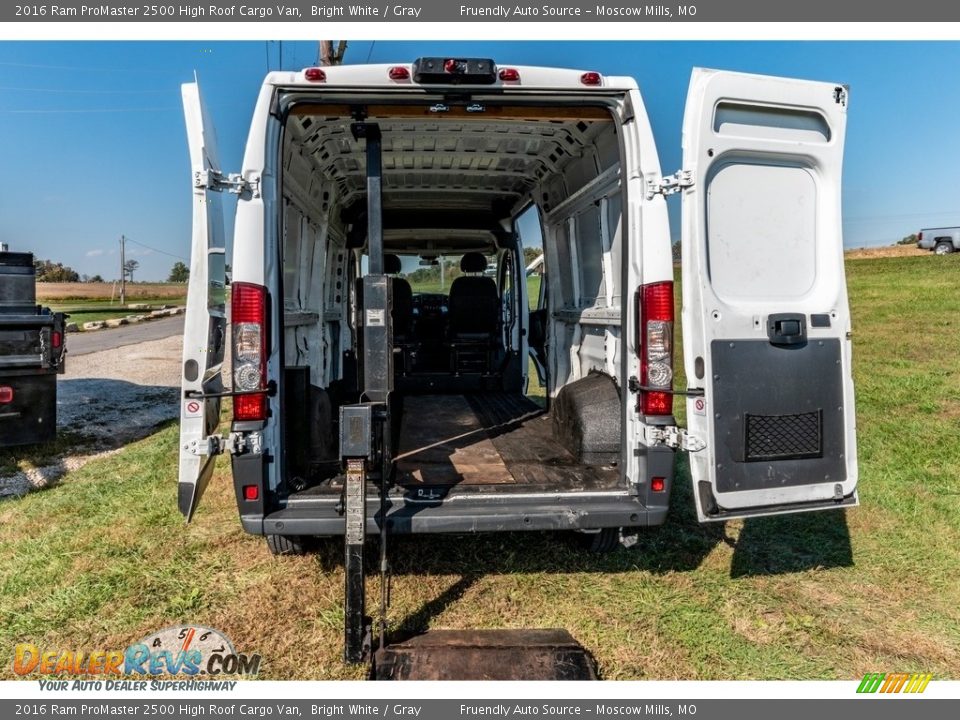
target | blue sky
x=94, y=143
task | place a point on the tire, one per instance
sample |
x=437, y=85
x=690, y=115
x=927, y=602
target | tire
x=286, y=545
x=603, y=542
x=943, y=248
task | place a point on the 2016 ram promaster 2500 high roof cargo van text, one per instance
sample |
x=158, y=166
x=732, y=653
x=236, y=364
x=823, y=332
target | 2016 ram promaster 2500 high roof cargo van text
x=348, y=385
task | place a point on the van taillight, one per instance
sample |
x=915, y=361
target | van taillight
x=6, y=394
x=655, y=346
x=249, y=324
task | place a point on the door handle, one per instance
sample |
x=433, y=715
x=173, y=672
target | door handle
x=787, y=328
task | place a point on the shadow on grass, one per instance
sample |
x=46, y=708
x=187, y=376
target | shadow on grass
x=792, y=543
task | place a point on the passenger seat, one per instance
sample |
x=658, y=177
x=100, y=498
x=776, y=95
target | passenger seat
x=474, y=313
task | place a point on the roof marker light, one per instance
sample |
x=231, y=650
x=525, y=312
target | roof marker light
x=510, y=75
x=398, y=72
x=315, y=74
x=591, y=78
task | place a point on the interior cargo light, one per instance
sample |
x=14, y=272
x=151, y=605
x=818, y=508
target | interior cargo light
x=510, y=75
x=315, y=74
x=591, y=78
x=249, y=321
x=6, y=394
x=657, y=484
x=398, y=72
x=251, y=492
x=655, y=347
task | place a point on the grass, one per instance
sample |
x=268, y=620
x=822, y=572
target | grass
x=103, y=559
x=84, y=311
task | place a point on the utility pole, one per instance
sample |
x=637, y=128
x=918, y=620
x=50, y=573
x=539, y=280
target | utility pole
x=329, y=56
x=123, y=271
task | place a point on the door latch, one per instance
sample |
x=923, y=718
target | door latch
x=670, y=184
x=673, y=437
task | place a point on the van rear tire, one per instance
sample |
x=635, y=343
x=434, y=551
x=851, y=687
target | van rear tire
x=943, y=248
x=603, y=542
x=286, y=545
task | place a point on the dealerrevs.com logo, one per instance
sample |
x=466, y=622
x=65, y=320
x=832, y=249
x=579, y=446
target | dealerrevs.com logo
x=190, y=650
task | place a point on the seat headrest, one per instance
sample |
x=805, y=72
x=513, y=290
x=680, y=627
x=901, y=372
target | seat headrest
x=473, y=262
x=391, y=264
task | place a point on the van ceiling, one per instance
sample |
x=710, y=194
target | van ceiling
x=464, y=162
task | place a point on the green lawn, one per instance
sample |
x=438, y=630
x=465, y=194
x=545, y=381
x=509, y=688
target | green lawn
x=103, y=559
x=85, y=311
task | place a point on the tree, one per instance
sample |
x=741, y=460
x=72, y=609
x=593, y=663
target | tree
x=129, y=268
x=96, y=279
x=530, y=254
x=910, y=239
x=179, y=273
x=48, y=271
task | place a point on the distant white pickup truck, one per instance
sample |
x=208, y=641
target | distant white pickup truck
x=941, y=240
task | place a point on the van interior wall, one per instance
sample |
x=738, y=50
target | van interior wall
x=581, y=212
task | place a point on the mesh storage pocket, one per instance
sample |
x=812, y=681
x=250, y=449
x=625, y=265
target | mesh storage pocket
x=784, y=437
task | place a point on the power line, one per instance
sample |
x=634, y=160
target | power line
x=73, y=91
x=162, y=252
x=371, y=50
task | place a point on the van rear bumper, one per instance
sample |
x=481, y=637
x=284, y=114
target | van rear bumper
x=568, y=511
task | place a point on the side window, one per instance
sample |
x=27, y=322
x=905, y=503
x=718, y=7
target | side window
x=531, y=237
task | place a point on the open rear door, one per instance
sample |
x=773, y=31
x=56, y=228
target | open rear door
x=204, y=333
x=765, y=316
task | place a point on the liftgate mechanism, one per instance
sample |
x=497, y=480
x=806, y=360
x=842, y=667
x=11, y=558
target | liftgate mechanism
x=365, y=434
x=365, y=427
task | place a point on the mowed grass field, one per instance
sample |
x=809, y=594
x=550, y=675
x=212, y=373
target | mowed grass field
x=104, y=559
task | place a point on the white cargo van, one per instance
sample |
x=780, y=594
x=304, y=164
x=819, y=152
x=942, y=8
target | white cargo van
x=355, y=175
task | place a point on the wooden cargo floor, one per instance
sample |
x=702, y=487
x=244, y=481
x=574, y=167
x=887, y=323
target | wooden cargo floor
x=488, y=439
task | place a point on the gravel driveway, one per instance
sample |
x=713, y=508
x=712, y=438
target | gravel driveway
x=105, y=400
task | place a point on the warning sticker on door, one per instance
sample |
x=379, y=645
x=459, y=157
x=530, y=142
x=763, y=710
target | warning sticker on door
x=192, y=408
x=699, y=406
x=376, y=318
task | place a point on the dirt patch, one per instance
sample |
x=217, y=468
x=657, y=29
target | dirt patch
x=888, y=251
x=105, y=400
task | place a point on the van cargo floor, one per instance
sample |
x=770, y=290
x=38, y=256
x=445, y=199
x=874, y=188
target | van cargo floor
x=488, y=439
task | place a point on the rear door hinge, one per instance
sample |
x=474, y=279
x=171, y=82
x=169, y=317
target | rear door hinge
x=234, y=182
x=670, y=184
x=233, y=444
x=673, y=437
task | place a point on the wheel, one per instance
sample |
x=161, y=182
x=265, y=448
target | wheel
x=943, y=248
x=286, y=544
x=605, y=541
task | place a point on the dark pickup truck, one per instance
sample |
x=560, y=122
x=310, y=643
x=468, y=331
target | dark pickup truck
x=32, y=352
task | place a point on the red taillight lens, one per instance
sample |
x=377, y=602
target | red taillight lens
x=249, y=320
x=510, y=75
x=657, y=484
x=655, y=345
x=315, y=74
x=56, y=339
x=451, y=65
x=251, y=492
x=591, y=78
x=919, y=236
x=399, y=72
x=6, y=394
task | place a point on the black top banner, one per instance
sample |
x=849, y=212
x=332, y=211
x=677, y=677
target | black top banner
x=577, y=11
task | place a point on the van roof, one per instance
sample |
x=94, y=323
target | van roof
x=531, y=77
